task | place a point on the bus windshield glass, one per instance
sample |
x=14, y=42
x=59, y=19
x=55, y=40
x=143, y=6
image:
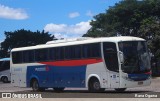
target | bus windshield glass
x=136, y=57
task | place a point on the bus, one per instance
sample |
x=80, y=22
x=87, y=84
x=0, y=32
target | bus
x=93, y=63
x=5, y=70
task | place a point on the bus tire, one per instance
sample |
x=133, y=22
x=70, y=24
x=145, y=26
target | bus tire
x=35, y=86
x=5, y=79
x=2, y=78
x=120, y=89
x=94, y=85
x=61, y=89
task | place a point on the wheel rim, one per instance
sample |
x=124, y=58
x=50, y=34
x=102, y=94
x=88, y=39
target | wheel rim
x=96, y=85
x=5, y=79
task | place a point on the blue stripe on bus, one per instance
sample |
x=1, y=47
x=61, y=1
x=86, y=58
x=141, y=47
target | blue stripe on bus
x=54, y=76
x=139, y=77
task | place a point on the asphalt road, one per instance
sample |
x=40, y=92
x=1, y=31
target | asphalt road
x=152, y=91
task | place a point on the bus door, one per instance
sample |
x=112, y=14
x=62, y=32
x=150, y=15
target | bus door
x=111, y=62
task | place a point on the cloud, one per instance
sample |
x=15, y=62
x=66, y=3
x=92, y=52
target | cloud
x=89, y=13
x=64, y=30
x=60, y=35
x=74, y=15
x=12, y=13
x=56, y=28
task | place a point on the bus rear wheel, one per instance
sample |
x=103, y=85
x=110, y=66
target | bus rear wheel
x=35, y=86
x=120, y=89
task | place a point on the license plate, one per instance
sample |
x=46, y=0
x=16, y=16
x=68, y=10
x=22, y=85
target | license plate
x=140, y=83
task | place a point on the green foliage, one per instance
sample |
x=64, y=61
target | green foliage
x=126, y=18
x=150, y=28
x=140, y=18
x=155, y=46
x=22, y=38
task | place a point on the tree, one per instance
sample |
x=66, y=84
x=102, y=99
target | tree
x=125, y=18
x=140, y=18
x=22, y=38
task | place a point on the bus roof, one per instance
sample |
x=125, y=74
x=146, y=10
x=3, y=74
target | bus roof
x=5, y=59
x=76, y=42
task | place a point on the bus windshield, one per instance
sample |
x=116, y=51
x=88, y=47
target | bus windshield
x=136, y=57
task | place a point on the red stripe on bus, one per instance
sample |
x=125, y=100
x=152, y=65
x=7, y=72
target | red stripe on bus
x=72, y=62
x=148, y=72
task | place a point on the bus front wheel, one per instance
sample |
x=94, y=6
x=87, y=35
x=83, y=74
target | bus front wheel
x=5, y=79
x=94, y=85
x=35, y=86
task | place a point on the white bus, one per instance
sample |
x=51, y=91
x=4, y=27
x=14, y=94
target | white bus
x=93, y=63
x=5, y=70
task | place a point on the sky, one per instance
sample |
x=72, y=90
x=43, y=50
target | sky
x=62, y=18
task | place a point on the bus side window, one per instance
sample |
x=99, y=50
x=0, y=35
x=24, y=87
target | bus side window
x=68, y=52
x=73, y=52
x=28, y=56
x=31, y=56
x=85, y=51
x=1, y=62
x=91, y=50
x=52, y=53
x=77, y=52
x=25, y=57
x=59, y=54
x=6, y=65
x=41, y=54
x=17, y=57
x=96, y=50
